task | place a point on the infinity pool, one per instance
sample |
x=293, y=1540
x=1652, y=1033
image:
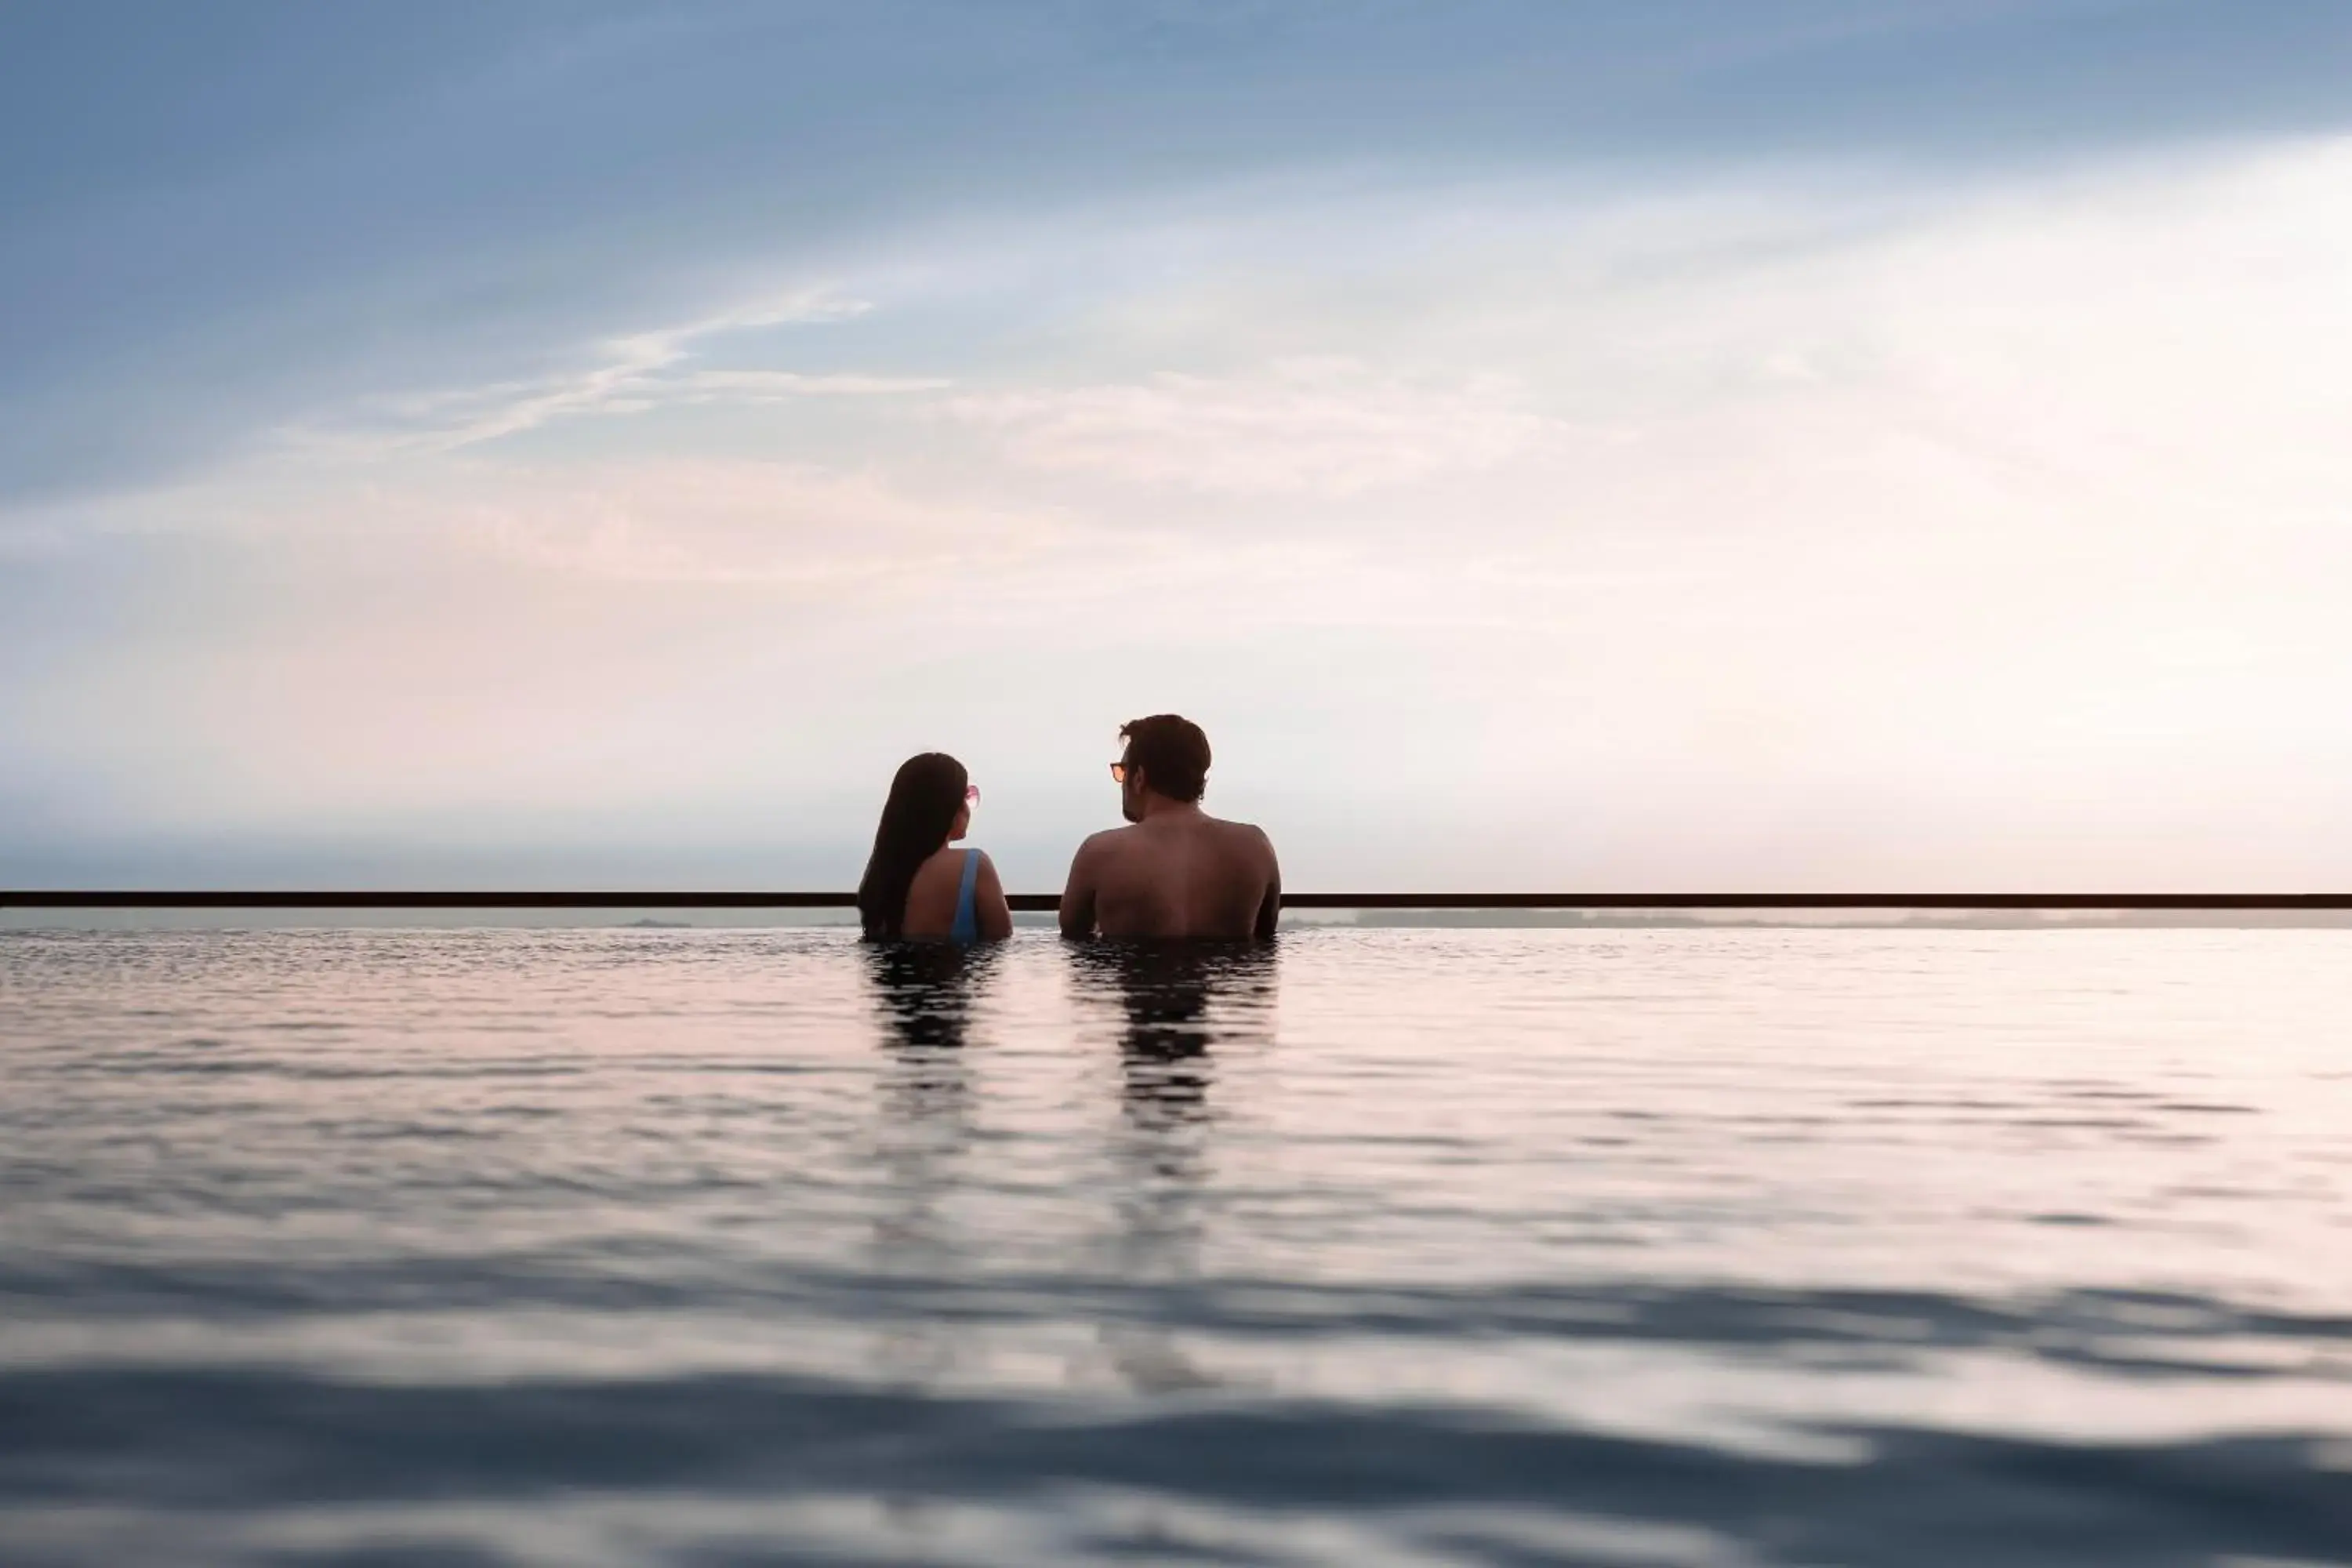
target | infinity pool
x=1384, y=1246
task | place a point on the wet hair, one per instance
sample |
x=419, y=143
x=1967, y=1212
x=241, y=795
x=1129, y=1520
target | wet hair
x=925, y=795
x=1172, y=753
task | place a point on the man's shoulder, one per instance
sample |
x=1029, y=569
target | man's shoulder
x=1106, y=841
x=1245, y=832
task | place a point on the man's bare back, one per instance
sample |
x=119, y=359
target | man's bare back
x=1177, y=871
x=1183, y=874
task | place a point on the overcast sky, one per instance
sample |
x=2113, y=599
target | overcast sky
x=1668, y=446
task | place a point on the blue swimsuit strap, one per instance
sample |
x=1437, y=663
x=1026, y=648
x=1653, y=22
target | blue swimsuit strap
x=967, y=917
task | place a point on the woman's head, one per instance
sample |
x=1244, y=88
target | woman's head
x=930, y=806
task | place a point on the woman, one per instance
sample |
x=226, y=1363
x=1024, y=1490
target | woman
x=916, y=886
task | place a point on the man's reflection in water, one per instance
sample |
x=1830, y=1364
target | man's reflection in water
x=1179, y=999
x=1183, y=1004
x=924, y=993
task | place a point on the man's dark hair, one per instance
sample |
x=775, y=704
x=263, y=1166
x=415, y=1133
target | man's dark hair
x=1172, y=753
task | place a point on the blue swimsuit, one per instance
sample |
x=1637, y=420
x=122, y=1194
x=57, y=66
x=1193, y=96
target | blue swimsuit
x=967, y=918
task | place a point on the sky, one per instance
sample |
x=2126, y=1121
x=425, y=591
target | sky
x=1702, y=445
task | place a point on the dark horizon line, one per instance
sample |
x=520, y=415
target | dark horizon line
x=454, y=899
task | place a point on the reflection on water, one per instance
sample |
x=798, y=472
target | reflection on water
x=925, y=992
x=1388, y=1246
x=1178, y=1005
x=1178, y=1000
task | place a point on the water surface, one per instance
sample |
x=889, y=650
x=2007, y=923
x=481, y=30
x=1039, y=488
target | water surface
x=1388, y=1247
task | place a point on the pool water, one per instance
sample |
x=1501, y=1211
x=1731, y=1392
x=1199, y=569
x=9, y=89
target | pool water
x=1618, y=1246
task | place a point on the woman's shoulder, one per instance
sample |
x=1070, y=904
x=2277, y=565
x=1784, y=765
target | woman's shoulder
x=947, y=860
x=950, y=862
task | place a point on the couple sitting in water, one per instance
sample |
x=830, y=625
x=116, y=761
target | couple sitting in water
x=1175, y=873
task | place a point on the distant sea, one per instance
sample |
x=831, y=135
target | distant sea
x=435, y=1242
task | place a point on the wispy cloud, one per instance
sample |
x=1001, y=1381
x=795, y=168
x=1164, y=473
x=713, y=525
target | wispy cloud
x=722, y=522
x=667, y=518
x=1331, y=427
x=631, y=373
x=784, y=385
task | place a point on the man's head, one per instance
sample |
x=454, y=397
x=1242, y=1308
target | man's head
x=1165, y=755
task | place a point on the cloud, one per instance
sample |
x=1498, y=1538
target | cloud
x=445, y=198
x=783, y=385
x=1329, y=427
x=731, y=521
x=630, y=374
x=793, y=528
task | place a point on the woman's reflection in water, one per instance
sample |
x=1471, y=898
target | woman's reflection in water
x=924, y=994
x=1184, y=1004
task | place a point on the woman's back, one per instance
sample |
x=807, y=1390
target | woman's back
x=956, y=895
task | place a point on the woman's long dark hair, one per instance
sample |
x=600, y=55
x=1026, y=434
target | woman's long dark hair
x=925, y=795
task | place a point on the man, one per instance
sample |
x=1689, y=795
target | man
x=1178, y=871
